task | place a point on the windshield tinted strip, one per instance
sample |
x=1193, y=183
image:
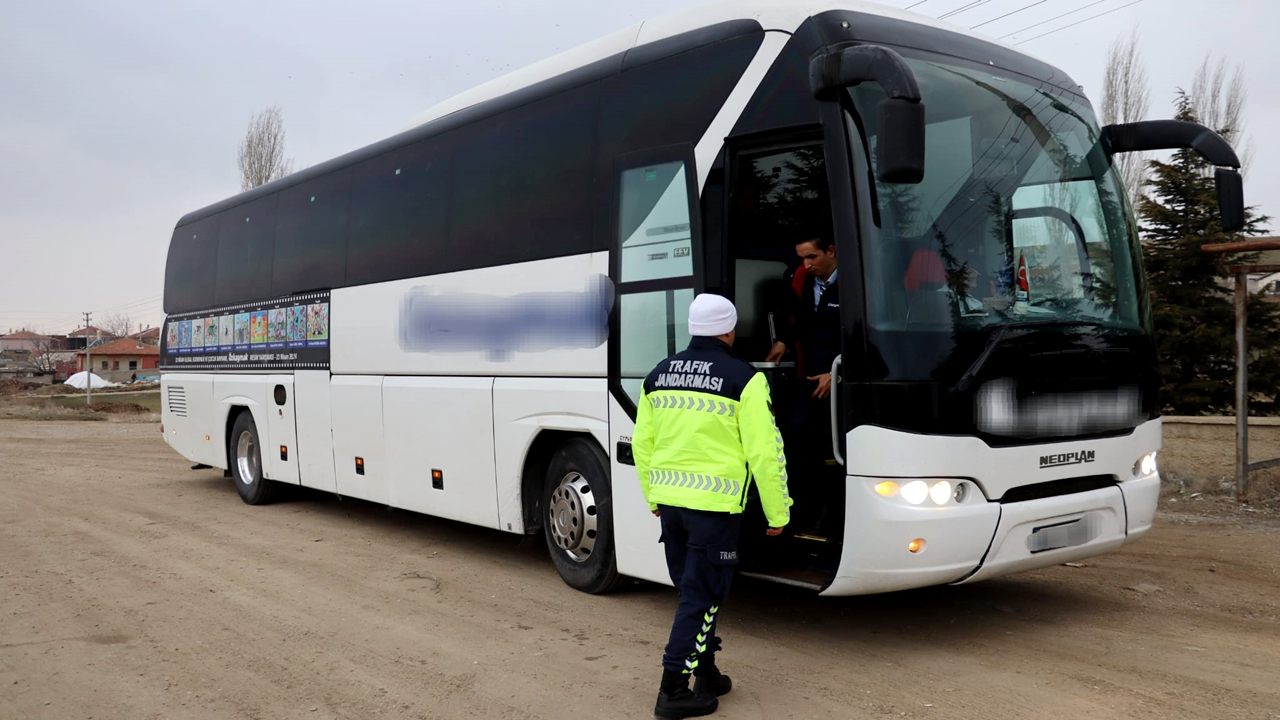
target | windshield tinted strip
x=868, y=28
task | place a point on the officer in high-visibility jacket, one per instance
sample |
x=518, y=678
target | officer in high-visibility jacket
x=704, y=431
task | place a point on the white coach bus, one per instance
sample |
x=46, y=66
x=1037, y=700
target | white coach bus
x=456, y=320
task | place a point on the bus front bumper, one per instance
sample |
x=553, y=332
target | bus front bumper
x=978, y=539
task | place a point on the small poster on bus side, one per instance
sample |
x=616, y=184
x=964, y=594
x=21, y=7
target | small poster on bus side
x=285, y=334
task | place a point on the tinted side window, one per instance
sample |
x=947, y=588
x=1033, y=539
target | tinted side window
x=672, y=100
x=666, y=102
x=311, y=235
x=522, y=183
x=784, y=97
x=189, y=273
x=245, y=249
x=399, y=206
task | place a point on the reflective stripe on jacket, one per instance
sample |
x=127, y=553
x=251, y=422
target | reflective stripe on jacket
x=704, y=418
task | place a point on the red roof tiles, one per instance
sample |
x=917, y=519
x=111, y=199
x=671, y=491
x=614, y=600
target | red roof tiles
x=124, y=347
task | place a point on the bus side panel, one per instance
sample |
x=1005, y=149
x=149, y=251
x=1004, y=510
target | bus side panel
x=524, y=407
x=635, y=529
x=280, y=458
x=315, y=429
x=188, y=416
x=541, y=318
x=444, y=424
x=358, y=456
x=247, y=391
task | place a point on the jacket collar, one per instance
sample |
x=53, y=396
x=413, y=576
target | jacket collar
x=708, y=343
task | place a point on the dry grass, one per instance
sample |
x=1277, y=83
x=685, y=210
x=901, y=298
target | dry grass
x=1198, y=461
x=44, y=408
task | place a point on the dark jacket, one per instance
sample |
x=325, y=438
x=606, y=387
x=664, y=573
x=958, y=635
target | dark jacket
x=816, y=333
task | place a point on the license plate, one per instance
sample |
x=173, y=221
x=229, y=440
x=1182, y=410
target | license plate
x=1062, y=535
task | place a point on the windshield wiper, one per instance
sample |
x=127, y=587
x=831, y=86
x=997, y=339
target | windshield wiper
x=967, y=379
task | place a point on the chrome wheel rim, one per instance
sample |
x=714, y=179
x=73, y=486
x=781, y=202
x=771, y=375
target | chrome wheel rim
x=573, y=517
x=247, y=457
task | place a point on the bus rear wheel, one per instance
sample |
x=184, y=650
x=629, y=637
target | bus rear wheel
x=578, y=518
x=244, y=453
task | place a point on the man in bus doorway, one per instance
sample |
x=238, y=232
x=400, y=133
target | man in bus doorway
x=810, y=329
x=704, y=418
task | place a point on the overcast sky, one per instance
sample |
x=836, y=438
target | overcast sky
x=116, y=118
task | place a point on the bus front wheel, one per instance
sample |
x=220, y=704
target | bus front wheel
x=577, y=518
x=244, y=453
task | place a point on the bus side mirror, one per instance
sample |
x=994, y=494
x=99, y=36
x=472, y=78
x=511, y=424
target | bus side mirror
x=1182, y=135
x=900, y=140
x=900, y=144
x=1230, y=198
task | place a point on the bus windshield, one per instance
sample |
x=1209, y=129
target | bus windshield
x=1019, y=216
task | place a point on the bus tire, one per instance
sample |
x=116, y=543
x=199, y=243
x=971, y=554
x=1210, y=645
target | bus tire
x=244, y=455
x=578, y=518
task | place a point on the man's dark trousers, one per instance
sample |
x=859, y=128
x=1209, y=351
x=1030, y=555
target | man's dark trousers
x=702, y=550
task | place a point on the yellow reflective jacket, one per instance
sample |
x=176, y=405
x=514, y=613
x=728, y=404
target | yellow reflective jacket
x=704, y=429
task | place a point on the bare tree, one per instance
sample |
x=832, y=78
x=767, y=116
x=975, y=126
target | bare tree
x=1218, y=97
x=117, y=325
x=44, y=356
x=262, y=151
x=1126, y=98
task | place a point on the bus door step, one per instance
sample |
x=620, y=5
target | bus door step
x=808, y=579
x=816, y=537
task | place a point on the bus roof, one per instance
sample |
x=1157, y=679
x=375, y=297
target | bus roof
x=786, y=16
x=776, y=15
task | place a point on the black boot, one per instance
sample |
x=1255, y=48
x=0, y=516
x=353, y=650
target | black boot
x=676, y=701
x=708, y=680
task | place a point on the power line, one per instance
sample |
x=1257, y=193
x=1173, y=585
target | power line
x=1064, y=27
x=1046, y=22
x=137, y=307
x=965, y=8
x=919, y=3
x=1015, y=12
x=132, y=303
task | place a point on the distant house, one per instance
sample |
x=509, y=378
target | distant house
x=24, y=341
x=120, y=360
x=1266, y=282
x=150, y=336
x=78, y=339
x=63, y=364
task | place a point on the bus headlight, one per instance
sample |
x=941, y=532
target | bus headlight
x=940, y=493
x=1145, y=466
x=915, y=492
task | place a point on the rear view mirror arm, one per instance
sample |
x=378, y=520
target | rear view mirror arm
x=1183, y=135
x=1170, y=135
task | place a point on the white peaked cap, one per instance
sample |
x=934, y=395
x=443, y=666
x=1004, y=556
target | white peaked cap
x=711, y=316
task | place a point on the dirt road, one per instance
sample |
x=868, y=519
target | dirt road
x=132, y=587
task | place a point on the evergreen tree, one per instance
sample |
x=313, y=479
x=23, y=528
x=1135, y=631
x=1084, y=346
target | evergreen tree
x=1191, y=305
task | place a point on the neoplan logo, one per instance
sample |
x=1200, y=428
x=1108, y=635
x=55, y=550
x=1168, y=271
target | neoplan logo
x=1063, y=459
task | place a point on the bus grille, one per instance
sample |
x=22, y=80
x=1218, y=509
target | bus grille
x=1056, y=488
x=178, y=400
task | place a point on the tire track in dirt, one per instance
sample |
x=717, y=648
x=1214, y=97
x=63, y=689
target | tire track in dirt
x=133, y=587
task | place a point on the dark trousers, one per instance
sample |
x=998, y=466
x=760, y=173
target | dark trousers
x=702, y=549
x=812, y=482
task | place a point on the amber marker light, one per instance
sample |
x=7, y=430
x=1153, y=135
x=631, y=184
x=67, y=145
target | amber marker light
x=888, y=488
x=916, y=546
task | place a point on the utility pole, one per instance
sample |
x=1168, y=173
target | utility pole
x=88, y=366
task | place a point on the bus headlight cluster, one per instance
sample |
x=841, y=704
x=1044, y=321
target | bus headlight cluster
x=917, y=491
x=1146, y=465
